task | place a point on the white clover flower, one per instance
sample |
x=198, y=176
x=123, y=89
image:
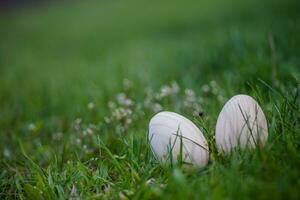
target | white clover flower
x=92, y=126
x=190, y=97
x=107, y=120
x=165, y=91
x=128, y=102
x=89, y=131
x=121, y=97
x=57, y=136
x=189, y=93
x=128, y=111
x=149, y=97
x=192, y=103
x=157, y=107
x=77, y=124
x=7, y=153
x=128, y=121
x=116, y=114
x=120, y=128
x=127, y=84
x=123, y=100
x=168, y=90
x=78, y=121
x=213, y=84
x=175, y=87
x=91, y=106
x=32, y=127
x=112, y=105
x=78, y=141
x=205, y=88
x=212, y=87
x=147, y=102
x=121, y=113
x=221, y=98
x=197, y=109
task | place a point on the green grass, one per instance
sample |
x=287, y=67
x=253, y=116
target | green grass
x=56, y=60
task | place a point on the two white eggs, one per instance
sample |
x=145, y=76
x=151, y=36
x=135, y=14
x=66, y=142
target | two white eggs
x=174, y=138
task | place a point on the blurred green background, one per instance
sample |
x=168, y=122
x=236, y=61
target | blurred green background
x=57, y=57
x=69, y=52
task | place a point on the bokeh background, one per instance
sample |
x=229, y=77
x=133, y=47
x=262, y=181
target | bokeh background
x=65, y=53
x=61, y=59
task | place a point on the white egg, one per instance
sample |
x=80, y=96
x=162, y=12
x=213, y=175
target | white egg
x=172, y=135
x=241, y=123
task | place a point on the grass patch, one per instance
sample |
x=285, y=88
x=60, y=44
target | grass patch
x=78, y=86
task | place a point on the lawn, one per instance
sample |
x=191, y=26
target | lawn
x=79, y=82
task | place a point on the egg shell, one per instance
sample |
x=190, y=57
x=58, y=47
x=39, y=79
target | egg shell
x=241, y=123
x=169, y=133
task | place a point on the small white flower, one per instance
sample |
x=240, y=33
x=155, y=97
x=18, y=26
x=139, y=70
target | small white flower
x=91, y=106
x=147, y=102
x=89, y=131
x=213, y=84
x=157, y=107
x=197, y=110
x=123, y=100
x=76, y=124
x=32, y=127
x=84, y=133
x=189, y=92
x=78, y=120
x=175, y=87
x=128, y=111
x=127, y=84
x=165, y=91
x=168, y=90
x=6, y=152
x=205, y=88
x=78, y=141
x=128, y=121
x=221, y=98
x=120, y=128
x=107, y=120
x=190, y=98
x=57, y=136
x=111, y=105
